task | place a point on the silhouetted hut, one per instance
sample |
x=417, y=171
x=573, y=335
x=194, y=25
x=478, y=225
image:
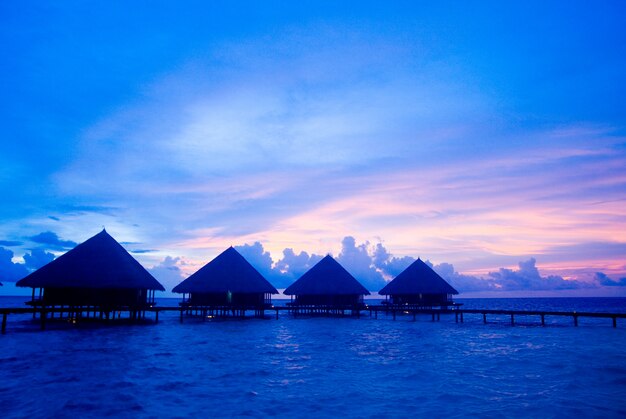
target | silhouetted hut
x=327, y=285
x=419, y=285
x=98, y=273
x=227, y=283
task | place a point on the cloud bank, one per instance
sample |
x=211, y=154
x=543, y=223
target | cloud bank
x=372, y=264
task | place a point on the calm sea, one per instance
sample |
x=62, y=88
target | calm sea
x=321, y=367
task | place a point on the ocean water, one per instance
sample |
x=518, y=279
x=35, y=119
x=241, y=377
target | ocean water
x=320, y=367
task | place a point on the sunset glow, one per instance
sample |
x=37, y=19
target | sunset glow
x=469, y=137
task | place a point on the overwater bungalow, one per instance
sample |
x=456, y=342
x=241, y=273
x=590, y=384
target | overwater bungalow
x=98, y=275
x=326, y=287
x=226, y=285
x=418, y=285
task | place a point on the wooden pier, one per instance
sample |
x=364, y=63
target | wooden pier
x=83, y=313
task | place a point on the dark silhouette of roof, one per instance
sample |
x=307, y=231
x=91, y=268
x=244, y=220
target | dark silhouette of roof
x=418, y=278
x=327, y=277
x=227, y=272
x=99, y=262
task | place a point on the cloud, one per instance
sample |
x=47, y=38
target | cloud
x=141, y=251
x=358, y=260
x=37, y=258
x=604, y=280
x=262, y=262
x=257, y=256
x=390, y=266
x=463, y=283
x=168, y=272
x=10, y=243
x=52, y=241
x=527, y=277
x=9, y=271
x=292, y=265
x=374, y=266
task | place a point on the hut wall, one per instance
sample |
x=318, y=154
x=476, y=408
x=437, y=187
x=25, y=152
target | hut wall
x=228, y=299
x=113, y=297
x=328, y=299
x=420, y=299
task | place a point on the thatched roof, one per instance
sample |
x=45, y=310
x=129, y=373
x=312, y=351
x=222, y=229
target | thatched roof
x=327, y=277
x=227, y=272
x=100, y=262
x=418, y=278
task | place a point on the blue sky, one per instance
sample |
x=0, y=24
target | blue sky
x=487, y=137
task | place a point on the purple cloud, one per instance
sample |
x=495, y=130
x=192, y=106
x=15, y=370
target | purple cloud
x=10, y=243
x=527, y=277
x=37, y=258
x=168, y=272
x=604, y=280
x=51, y=241
x=360, y=263
x=9, y=271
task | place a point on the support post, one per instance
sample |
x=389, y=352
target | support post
x=614, y=321
x=512, y=319
x=394, y=314
x=543, y=319
x=42, y=316
x=181, y=314
x=575, y=319
x=156, y=319
x=461, y=317
x=4, y=322
x=484, y=318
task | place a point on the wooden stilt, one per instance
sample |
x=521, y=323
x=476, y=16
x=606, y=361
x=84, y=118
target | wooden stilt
x=512, y=320
x=575, y=320
x=4, y=322
x=543, y=319
x=484, y=318
x=614, y=321
x=42, y=315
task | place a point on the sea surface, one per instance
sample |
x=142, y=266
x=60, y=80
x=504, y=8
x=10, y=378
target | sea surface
x=320, y=367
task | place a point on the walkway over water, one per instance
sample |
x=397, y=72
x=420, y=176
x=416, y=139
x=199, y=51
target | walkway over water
x=96, y=313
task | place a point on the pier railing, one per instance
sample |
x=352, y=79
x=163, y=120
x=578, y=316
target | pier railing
x=138, y=313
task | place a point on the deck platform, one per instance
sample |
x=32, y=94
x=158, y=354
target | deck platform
x=137, y=314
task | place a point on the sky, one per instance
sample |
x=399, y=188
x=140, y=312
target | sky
x=488, y=138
